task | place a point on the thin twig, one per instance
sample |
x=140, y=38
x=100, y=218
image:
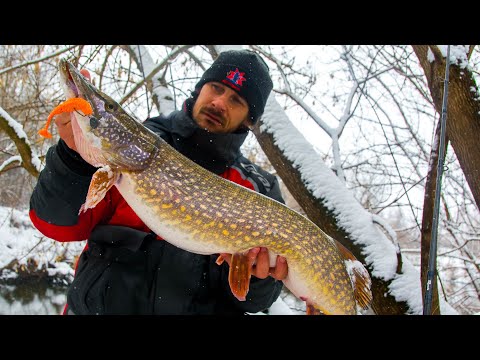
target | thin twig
x=31, y=62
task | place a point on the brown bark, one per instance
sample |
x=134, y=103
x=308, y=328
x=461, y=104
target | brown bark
x=427, y=219
x=22, y=146
x=383, y=303
x=463, y=112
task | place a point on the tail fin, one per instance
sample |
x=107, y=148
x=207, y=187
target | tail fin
x=359, y=276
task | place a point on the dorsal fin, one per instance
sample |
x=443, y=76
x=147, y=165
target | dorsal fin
x=359, y=275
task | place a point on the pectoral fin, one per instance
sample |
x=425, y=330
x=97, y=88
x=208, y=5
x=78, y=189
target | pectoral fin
x=239, y=275
x=102, y=181
x=360, y=277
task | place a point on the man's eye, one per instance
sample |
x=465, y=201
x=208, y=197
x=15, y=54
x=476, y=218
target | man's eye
x=237, y=100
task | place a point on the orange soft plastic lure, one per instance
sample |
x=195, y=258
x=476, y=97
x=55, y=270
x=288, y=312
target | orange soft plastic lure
x=66, y=106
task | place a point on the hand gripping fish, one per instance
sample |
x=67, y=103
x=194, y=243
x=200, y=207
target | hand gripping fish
x=201, y=212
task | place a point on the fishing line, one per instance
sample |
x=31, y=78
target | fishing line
x=173, y=88
x=93, y=120
x=143, y=74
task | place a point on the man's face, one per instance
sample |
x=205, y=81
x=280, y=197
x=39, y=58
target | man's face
x=219, y=109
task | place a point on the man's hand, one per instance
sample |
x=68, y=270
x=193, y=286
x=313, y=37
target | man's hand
x=262, y=267
x=64, y=124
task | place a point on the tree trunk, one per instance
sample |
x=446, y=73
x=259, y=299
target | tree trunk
x=463, y=115
x=383, y=303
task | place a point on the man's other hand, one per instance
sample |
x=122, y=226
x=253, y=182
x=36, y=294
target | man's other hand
x=260, y=263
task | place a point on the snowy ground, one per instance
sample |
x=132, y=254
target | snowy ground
x=22, y=246
x=32, y=299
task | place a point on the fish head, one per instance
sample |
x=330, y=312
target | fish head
x=108, y=136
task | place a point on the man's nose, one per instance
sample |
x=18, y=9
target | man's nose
x=220, y=103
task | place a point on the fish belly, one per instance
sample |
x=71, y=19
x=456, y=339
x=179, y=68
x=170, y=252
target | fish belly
x=161, y=225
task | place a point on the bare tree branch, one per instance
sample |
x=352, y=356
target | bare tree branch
x=160, y=66
x=22, y=144
x=38, y=60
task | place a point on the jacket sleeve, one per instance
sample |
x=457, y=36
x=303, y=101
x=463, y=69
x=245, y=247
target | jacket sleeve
x=60, y=191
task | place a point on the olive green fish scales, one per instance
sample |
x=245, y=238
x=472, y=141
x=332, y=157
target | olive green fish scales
x=220, y=216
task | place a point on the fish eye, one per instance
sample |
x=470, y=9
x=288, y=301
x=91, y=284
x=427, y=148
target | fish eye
x=110, y=107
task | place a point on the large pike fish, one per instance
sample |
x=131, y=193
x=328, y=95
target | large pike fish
x=203, y=213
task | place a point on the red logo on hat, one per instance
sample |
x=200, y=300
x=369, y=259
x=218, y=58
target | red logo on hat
x=236, y=77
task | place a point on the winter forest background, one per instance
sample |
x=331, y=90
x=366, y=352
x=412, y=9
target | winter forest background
x=350, y=130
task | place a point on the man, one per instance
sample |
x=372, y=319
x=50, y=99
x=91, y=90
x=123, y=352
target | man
x=125, y=268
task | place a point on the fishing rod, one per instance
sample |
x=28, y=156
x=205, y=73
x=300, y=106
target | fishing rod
x=432, y=256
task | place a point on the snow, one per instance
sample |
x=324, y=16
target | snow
x=279, y=307
x=222, y=48
x=407, y=287
x=430, y=56
x=19, y=240
x=458, y=54
x=379, y=251
x=16, y=126
x=9, y=161
x=21, y=300
x=352, y=266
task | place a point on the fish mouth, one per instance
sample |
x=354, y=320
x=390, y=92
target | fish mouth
x=78, y=86
x=70, y=88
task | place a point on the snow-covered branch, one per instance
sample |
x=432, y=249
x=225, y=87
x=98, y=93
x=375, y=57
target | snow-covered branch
x=14, y=130
x=14, y=161
x=380, y=253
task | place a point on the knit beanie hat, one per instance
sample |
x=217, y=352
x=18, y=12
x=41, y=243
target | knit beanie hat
x=245, y=72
